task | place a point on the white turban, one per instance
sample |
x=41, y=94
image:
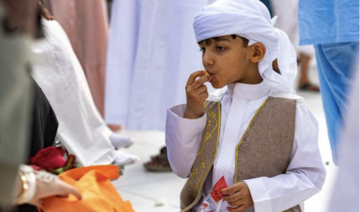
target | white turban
x=251, y=19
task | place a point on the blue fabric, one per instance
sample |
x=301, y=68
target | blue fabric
x=334, y=63
x=328, y=21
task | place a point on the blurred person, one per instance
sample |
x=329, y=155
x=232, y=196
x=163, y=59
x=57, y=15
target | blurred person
x=18, y=26
x=86, y=24
x=346, y=186
x=287, y=12
x=151, y=52
x=82, y=130
x=333, y=28
x=15, y=90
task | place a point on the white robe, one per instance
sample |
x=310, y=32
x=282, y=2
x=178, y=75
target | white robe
x=305, y=174
x=151, y=53
x=287, y=12
x=59, y=74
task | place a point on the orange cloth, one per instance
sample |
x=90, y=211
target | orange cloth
x=98, y=193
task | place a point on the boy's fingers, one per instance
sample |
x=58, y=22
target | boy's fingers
x=193, y=77
x=204, y=95
x=229, y=190
x=200, y=81
x=237, y=209
x=201, y=89
x=233, y=198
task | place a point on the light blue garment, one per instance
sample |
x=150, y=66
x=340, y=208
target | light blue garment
x=334, y=63
x=332, y=26
x=328, y=21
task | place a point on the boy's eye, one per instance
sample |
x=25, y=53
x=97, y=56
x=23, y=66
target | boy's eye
x=220, y=48
x=202, y=49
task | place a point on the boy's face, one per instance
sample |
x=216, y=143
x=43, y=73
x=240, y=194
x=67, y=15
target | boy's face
x=227, y=60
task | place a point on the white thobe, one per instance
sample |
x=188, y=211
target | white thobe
x=151, y=53
x=305, y=174
x=58, y=72
x=287, y=12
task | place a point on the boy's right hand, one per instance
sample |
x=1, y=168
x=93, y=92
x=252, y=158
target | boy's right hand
x=196, y=94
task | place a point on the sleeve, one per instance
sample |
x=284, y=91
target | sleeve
x=182, y=138
x=305, y=174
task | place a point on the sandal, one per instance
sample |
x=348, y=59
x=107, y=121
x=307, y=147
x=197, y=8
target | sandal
x=309, y=87
x=163, y=153
x=159, y=163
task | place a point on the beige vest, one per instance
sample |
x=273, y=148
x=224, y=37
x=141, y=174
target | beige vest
x=265, y=149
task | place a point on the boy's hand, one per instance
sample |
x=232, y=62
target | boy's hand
x=196, y=94
x=238, y=196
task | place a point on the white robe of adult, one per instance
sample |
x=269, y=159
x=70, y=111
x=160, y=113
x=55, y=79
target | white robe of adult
x=59, y=74
x=151, y=53
x=287, y=12
x=305, y=174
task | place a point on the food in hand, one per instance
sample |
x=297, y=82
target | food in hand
x=211, y=76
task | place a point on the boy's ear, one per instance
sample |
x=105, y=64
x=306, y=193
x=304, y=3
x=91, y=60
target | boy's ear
x=258, y=52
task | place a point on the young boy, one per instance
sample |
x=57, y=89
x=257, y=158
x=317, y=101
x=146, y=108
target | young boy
x=258, y=134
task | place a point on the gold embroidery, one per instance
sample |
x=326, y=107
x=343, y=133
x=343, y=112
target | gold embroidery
x=202, y=165
x=208, y=134
x=193, y=174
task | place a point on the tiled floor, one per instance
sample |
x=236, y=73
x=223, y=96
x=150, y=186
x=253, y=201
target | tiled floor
x=144, y=189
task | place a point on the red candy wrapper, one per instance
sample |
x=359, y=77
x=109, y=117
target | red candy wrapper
x=213, y=201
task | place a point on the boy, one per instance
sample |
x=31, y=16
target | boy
x=258, y=134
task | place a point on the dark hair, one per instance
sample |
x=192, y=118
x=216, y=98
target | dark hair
x=208, y=41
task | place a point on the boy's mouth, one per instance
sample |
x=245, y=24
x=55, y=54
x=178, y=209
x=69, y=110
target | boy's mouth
x=212, y=76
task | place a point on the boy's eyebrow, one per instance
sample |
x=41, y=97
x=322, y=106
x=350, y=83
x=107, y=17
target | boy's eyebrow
x=208, y=41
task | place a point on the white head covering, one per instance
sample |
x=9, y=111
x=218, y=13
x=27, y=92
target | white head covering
x=251, y=19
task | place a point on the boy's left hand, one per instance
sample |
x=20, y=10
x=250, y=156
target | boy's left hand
x=238, y=196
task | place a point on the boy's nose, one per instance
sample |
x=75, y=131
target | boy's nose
x=208, y=59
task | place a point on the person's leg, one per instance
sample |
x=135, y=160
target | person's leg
x=334, y=65
x=304, y=80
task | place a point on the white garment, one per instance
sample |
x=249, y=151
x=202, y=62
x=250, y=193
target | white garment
x=251, y=19
x=305, y=174
x=151, y=53
x=346, y=186
x=58, y=72
x=287, y=12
